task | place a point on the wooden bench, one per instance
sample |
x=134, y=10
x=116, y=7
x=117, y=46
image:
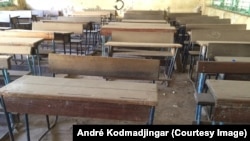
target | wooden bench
x=205, y=99
x=108, y=67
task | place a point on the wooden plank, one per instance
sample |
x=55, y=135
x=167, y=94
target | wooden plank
x=144, y=17
x=195, y=18
x=17, y=41
x=145, y=53
x=86, y=108
x=171, y=16
x=79, y=19
x=230, y=49
x=144, y=12
x=216, y=26
x=14, y=49
x=134, y=24
x=108, y=29
x=143, y=21
x=47, y=35
x=204, y=21
x=142, y=44
x=61, y=21
x=61, y=27
x=119, y=92
x=147, y=37
x=79, y=97
x=111, y=67
x=138, y=25
x=219, y=35
x=90, y=14
x=223, y=67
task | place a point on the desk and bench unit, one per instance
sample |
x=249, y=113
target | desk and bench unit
x=117, y=100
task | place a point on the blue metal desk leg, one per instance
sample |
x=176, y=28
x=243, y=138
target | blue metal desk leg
x=7, y=119
x=200, y=87
x=38, y=62
x=151, y=115
x=27, y=126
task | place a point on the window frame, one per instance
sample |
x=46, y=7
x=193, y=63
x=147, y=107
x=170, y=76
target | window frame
x=234, y=7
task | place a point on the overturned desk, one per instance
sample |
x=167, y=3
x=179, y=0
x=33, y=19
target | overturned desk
x=129, y=101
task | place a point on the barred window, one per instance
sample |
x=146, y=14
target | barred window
x=238, y=6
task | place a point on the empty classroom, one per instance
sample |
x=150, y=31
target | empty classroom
x=76, y=63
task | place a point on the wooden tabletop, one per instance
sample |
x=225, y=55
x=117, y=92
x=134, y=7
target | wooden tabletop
x=47, y=35
x=229, y=90
x=80, y=89
x=205, y=43
x=231, y=59
x=64, y=21
x=138, y=26
x=144, y=21
x=149, y=45
x=132, y=24
x=19, y=41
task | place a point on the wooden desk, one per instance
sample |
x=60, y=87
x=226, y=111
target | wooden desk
x=231, y=100
x=81, y=98
x=107, y=29
x=161, y=53
x=62, y=31
x=209, y=49
x=143, y=21
x=27, y=46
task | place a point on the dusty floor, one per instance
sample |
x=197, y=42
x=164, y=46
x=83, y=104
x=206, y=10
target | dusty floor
x=176, y=107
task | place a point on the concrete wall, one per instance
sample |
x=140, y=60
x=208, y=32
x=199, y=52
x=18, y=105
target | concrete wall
x=174, y=5
x=235, y=18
